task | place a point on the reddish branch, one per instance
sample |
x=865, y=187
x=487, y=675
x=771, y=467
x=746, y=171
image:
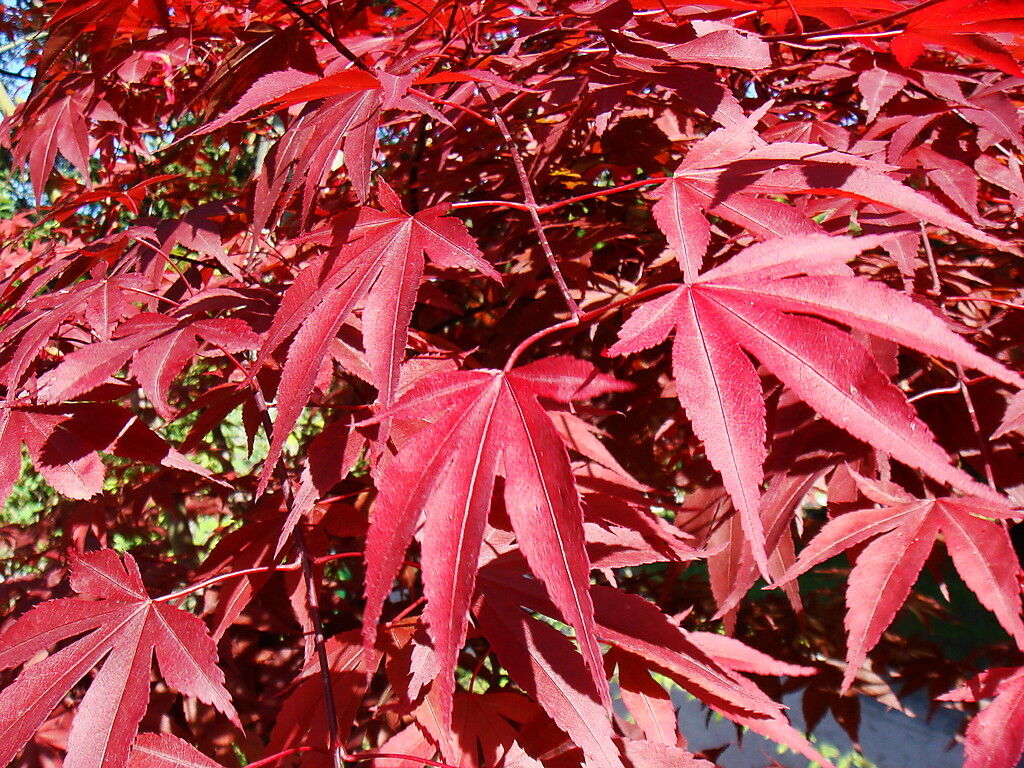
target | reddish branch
x=282, y=568
x=336, y=747
x=532, y=207
x=347, y=756
x=841, y=31
x=983, y=449
x=586, y=317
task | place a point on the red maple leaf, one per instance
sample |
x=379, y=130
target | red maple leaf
x=724, y=173
x=119, y=627
x=343, y=118
x=697, y=185
x=57, y=127
x=974, y=28
x=995, y=736
x=760, y=302
x=903, y=533
x=540, y=658
x=160, y=348
x=485, y=423
x=302, y=719
x=381, y=261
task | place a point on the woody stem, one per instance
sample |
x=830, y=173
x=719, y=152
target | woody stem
x=532, y=207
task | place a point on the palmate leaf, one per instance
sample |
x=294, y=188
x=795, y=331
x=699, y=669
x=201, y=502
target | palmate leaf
x=63, y=443
x=903, y=535
x=696, y=187
x=995, y=737
x=302, y=719
x=708, y=668
x=485, y=726
x=760, y=302
x=978, y=29
x=345, y=119
x=160, y=348
x=485, y=423
x=381, y=261
x=59, y=126
x=78, y=476
x=726, y=171
x=545, y=660
x=120, y=627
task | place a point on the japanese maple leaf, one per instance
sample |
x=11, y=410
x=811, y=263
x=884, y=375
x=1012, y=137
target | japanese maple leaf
x=877, y=86
x=302, y=719
x=119, y=627
x=695, y=188
x=903, y=534
x=1013, y=419
x=381, y=262
x=646, y=699
x=70, y=465
x=63, y=445
x=485, y=423
x=995, y=736
x=287, y=87
x=341, y=118
x=760, y=302
x=733, y=572
x=974, y=28
x=640, y=633
x=545, y=663
x=197, y=230
x=726, y=171
x=59, y=126
x=483, y=725
x=26, y=333
x=730, y=171
x=160, y=348
x=344, y=118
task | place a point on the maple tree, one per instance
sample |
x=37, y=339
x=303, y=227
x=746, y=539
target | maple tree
x=457, y=383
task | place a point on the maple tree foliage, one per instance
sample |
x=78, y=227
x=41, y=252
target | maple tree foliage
x=461, y=383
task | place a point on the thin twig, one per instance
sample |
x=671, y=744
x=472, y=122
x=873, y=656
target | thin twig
x=983, y=452
x=170, y=260
x=458, y=107
x=330, y=709
x=351, y=757
x=985, y=455
x=281, y=755
x=585, y=317
x=933, y=267
x=796, y=17
x=550, y=207
x=157, y=296
x=572, y=322
x=393, y=756
x=282, y=568
x=531, y=201
x=602, y=193
x=952, y=389
x=330, y=37
x=12, y=44
x=855, y=27
x=490, y=203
